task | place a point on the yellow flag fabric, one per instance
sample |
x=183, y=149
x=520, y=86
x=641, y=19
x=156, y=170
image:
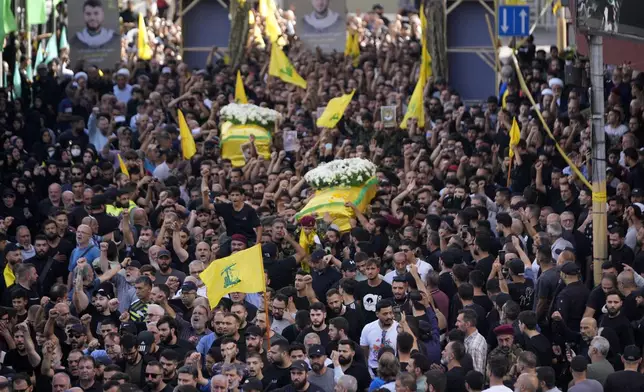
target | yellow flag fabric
x=334, y=110
x=9, y=277
x=352, y=47
x=144, y=51
x=504, y=97
x=240, y=93
x=267, y=11
x=188, y=147
x=122, y=166
x=515, y=135
x=282, y=68
x=415, y=108
x=241, y=272
x=426, y=58
x=306, y=241
x=234, y=136
x=332, y=200
x=556, y=7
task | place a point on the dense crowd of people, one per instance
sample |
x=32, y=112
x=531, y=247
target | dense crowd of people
x=467, y=272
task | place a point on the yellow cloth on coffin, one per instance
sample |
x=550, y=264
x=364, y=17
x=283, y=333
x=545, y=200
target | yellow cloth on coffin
x=332, y=200
x=233, y=136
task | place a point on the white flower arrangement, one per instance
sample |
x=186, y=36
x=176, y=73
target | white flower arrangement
x=240, y=114
x=341, y=173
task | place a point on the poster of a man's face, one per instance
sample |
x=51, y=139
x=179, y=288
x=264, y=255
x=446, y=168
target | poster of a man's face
x=321, y=23
x=94, y=28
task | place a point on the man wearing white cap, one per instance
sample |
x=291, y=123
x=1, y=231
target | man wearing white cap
x=556, y=85
x=122, y=90
x=94, y=35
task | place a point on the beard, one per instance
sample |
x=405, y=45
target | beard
x=299, y=384
x=344, y=360
x=317, y=325
x=504, y=350
x=51, y=236
x=164, y=267
x=316, y=367
x=151, y=385
x=167, y=340
x=41, y=255
x=612, y=312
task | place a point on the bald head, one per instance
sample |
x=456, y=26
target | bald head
x=526, y=383
x=219, y=381
x=60, y=382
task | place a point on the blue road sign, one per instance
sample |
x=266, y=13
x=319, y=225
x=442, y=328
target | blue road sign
x=514, y=20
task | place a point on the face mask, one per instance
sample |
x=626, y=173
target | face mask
x=76, y=152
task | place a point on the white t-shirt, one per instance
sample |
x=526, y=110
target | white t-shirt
x=498, y=388
x=372, y=336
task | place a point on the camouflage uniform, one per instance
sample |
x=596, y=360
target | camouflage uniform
x=512, y=357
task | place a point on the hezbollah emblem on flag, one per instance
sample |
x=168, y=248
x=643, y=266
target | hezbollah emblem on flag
x=230, y=276
x=288, y=71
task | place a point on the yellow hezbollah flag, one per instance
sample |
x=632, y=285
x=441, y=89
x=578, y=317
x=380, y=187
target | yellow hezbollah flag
x=515, y=135
x=188, y=147
x=144, y=51
x=352, y=47
x=282, y=68
x=240, y=93
x=426, y=59
x=556, y=7
x=415, y=109
x=234, y=136
x=334, y=110
x=241, y=272
x=122, y=166
x=332, y=200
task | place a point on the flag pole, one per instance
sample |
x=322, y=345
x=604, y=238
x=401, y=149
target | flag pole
x=268, y=321
x=509, y=171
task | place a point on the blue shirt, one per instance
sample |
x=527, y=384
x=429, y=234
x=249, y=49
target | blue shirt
x=91, y=254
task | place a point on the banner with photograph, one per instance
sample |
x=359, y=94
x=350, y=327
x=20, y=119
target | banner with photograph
x=614, y=17
x=93, y=30
x=321, y=23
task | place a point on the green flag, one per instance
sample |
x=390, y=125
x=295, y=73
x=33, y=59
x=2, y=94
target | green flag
x=39, y=56
x=51, y=51
x=8, y=19
x=63, y=38
x=17, y=82
x=36, y=12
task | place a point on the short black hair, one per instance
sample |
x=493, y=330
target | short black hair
x=382, y=304
x=498, y=365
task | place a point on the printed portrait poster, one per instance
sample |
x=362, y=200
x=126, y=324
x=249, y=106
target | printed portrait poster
x=94, y=34
x=321, y=23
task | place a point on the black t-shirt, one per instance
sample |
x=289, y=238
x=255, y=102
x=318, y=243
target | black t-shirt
x=369, y=297
x=623, y=255
x=485, y=265
x=106, y=223
x=622, y=327
x=522, y=293
x=276, y=377
x=446, y=284
x=455, y=380
x=596, y=300
x=624, y=381
x=356, y=322
x=484, y=301
x=361, y=374
x=98, y=318
x=19, y=363
x=324, y=335
x=280, y=272
x=540, y=346
x=243, y=221
x=34, y=298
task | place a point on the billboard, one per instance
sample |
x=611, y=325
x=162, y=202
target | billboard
x=94, y=32
x=321, y=23
x=612, y=17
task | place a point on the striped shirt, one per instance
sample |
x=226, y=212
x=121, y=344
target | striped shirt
x=138, y=311
x=476, y=346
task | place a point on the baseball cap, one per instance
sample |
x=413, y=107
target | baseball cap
x=637, y=192
x=300, y=365
x=579, y=363
x=516, y=266
x=570, y=268
x=145, y=340
x=632, y=353
x=269, y=250
x=254, y=330
x=349, y=265
x=317, y=255
x=9, y=192
x=78, y=328
x=316, y=350
x=252, y=384
x=134, y=264
x=163, y=253
x=10, y=247
x=105, y=290
x=188, y=286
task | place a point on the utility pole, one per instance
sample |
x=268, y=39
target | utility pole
x=600, y=235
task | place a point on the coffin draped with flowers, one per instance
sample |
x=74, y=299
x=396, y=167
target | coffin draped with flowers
x=338, y=182
x=238, y=122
